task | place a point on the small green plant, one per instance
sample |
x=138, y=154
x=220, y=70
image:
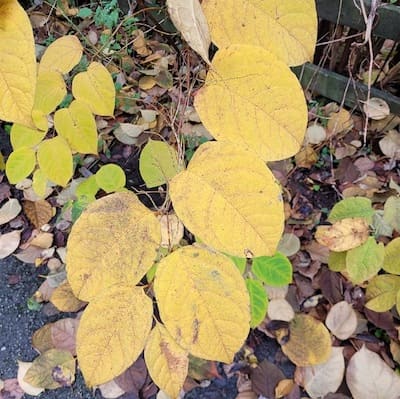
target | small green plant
x=107, y=16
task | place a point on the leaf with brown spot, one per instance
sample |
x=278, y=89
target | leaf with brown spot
x=38, y=212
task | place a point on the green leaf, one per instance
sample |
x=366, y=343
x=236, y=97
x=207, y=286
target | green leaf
x=273, y=270
x=88, y=188
x=20, y=164
x=84, y=12
x=55, y=160
x=337, y=261
x=352, y=207
x=240, y=263
x=158, y=163
x=391, y=263
x=391, y=213
x=365, y=261
x=110, y=178
x=382, y=292
x=258, y=301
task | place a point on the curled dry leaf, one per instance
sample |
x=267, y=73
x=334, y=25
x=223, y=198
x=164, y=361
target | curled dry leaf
x=376, y=108
x=369, y=377
x=324, y=378
x=26, y=387
x=342, y=320
x=9, y=243
x=344, y=234
x=9, y=210
x=189, y=19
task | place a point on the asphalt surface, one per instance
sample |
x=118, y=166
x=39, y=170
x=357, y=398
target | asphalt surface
x=18, y=281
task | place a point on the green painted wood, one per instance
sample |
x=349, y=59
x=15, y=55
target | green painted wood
x=388, y=20
x=333, y=86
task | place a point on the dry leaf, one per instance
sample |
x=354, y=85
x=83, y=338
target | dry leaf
x=38, y=212
x=344, y=234
x=283, y=388
x=63, y=334
x=9, y=210
x=171, y=230
x=315, y=134
x=306, y=157
x=110, y=390
x=324, y=378
x=280, y=309
x=42, y=240
x=369, y=377
x=342, y=320
x=390, y=144
x=29, y=255
x=64, y=299
x=9, y=243
x=376, y=108
x=340, y=122
x=189, y=19
x=289, y=244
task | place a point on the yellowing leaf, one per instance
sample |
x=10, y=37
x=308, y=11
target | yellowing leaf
x=62, y=55
x=337, y=261
x=285, y=27
x=23, y=136
x=39, y=183
x=368, y=376
x=342, y=320
x=391, y=262
x=230, y=200
x=55, y=160
x=112, y=332
x=110, y=178
x=52, y=369
x=96, y=89
x=309, y=342
x=344, y=234
x=254, y=85
x=391, y=213
x=365, y=261
x=382, y=292
x=18, y=64
x=203, y=302
x=78, y=126
x=352, y=207
x=114, y=241
x=158, y=163
x=20, y=164
x=23, y=367
x=324, y=378
x=50, y=91
x=166, y=361
x=189, y=19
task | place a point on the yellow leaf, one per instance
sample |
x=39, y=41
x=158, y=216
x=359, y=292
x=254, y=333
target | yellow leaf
x=20, y=164
x=230, y=200
x=344, y=234
x=382, y=292
x=50, y=91
x=285, y=27
x=203, y=302
x=53, y=369
x=166, y=361
x=62, y=55
x=114, y=241
x=39, y=183
x=189, y=19
x=78, y=126
x=55, y=160
x=18, y=64
x=112, y=332
x=309, y=342
x=340, y=122
x=96, y=89
x=23, y=136
x=64, y=299
x=391, y=262
x=254, y=113
x=23, y=367
x=365, y=261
